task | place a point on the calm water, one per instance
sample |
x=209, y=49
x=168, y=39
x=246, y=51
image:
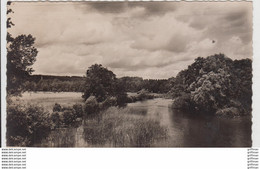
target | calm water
x=194, y=131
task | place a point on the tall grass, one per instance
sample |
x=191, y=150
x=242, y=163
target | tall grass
x=122, y=128
x=61, y=137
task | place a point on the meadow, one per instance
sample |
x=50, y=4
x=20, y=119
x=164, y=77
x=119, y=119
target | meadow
x=48, y=99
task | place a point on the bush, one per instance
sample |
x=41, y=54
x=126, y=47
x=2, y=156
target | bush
x=26, y=125
x=67, y=116
x=78, y=108
x=91, y=106
x=144, y=95
x=109, y=102
x=141, y=96
x=182, y=102
x=56, y=119
x=56, y=107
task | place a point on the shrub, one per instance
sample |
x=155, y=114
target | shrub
x=182, y=102
x=109, y=102
x=144, y=95
x=56, y=107
x=78, y=108
x=56, y=119
x=26, y=125
x=69, y=116
x=91, y=106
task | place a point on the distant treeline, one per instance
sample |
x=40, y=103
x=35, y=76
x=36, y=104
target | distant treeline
x=77, y=84
x=54, y=83
x=135, y=84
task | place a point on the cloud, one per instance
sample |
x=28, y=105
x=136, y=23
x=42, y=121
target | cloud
x=151, y=8
x=147, y=39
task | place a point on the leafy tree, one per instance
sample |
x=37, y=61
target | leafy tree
x=211, y=91
x=21, y=54
x=102, y=83
x=99, y=83
x=215, y=84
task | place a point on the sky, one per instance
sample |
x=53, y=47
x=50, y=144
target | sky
x=153, y=40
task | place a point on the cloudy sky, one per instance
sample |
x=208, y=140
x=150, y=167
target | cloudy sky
x=147, y=39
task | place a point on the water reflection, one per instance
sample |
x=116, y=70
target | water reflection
x=208, y=131
x=197, y=131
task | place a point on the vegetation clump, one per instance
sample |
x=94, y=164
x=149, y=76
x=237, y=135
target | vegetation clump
x=102, y=84
x=26, y=125
x=215, y=85
x=67, y=116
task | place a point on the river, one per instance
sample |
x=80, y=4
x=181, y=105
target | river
x=196, y=131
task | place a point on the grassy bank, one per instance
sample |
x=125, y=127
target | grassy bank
x=122, y=128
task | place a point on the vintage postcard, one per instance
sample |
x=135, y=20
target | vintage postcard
x=129, y=74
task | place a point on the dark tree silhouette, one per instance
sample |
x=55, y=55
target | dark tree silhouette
x=103, y=84
x=99, y=82
x=21, y=54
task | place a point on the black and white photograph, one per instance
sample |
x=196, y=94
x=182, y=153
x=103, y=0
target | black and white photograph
x=129, y=74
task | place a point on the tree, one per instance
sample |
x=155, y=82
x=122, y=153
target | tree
x=99, y=82
x=103, y=84
x=215, y=84
x=211, y=91
x=21, y=54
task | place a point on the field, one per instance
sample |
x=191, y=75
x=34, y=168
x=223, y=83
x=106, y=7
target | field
x=48, y=99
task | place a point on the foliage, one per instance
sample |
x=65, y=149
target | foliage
x=211, y=91
x=99, y=83
x=135, y=84
x=91, y=106
x=140, y=96
x=78, y=110
x=66, y=116
x=77, y=84
x=56, y=119
x=215, y=84
x=102, y=83
x=109, y=102
x=54, y=83
x=183, y=102
x=26, y=125
x=56, y=107
x=21, y=54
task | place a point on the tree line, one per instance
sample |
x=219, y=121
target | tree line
x=76, y=84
